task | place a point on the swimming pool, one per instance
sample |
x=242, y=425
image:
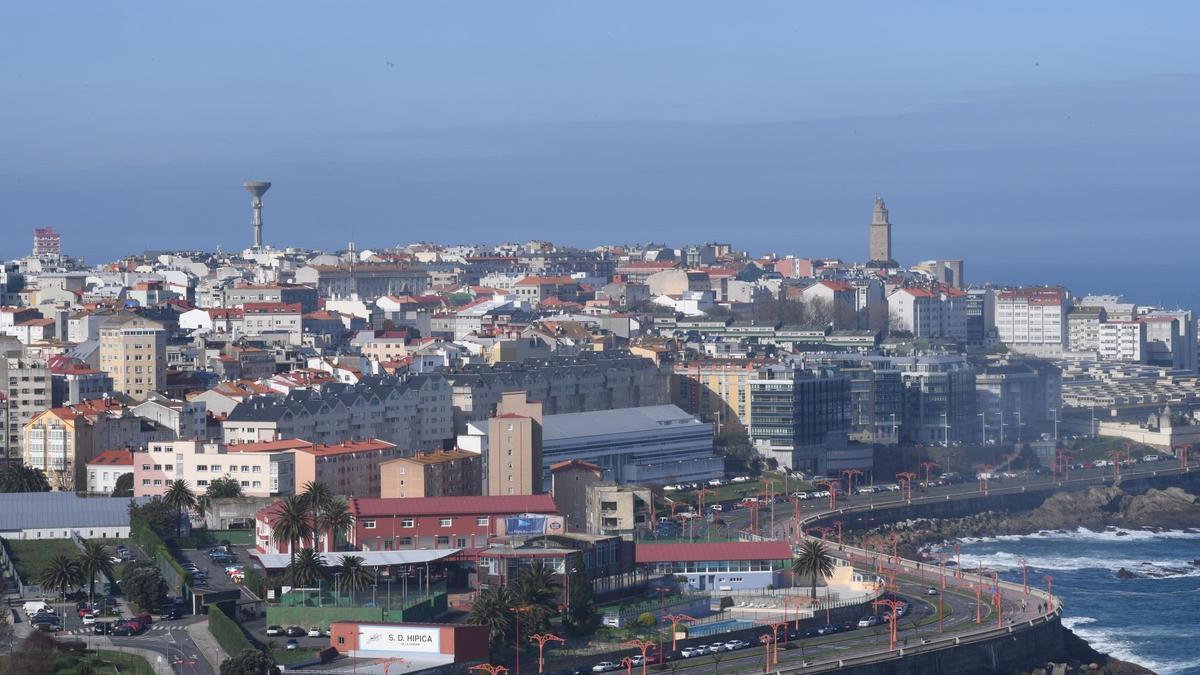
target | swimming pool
x=719, y=627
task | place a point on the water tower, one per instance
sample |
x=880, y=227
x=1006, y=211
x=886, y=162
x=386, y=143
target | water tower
x=257, y=188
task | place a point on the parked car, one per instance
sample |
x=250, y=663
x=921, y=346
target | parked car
x=931, y=591
x=604, y=667
x=827, y=629
x=295, y=631
x=717, y=648
x=292, y=645
x=273, y=631
x=736, y=644
x=868, y=622
x=314, y=631
x=88, y=619
x=102, y=628
x=689, y=652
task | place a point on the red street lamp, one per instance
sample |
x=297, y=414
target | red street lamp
x=675, y=620
x=985, y=472
x=927, y=466
x=1115, y=456
x=893, y=619
x=777, y=628
x=1024, y=574
x=838, y=525
x=766, y=641
x=628, y=663
x=541, y=639
x=849, y=475
x=644, y=646
x=489, y=669
x=978, y=603
x=1181, y=451
x=832, y=486
x=905, y=478
x=1050, y=591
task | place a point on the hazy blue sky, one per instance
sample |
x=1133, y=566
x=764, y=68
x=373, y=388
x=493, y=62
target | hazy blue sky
x=1009, y=134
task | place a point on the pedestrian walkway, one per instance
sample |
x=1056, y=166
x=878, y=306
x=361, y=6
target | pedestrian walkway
x=207, y=644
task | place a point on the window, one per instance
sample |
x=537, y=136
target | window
x=202, y=483
x=443, y=541
x=445, y=522
x=145, y=481
x=406, y=522
x=481, y=521
x=216, y=467
x=202, y=467
x=368, y=524
x=258, y=483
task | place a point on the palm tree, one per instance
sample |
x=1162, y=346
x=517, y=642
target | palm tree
x=334, y=517
x=315, y=495
x=813, y=562
x=94, y=559
x=61, y=573
x=493, y=608
x=537, y=589
x=291, y=524
x=23, y=478
x=179, y=496
x=353, y=575
x=307, y=568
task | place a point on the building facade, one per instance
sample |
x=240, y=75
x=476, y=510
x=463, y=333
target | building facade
x=133, y=351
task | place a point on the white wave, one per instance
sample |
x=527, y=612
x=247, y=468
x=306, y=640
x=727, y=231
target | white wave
x=1001, y=561
x=1071, y=622
x=1083, y=534
x=1115, y=644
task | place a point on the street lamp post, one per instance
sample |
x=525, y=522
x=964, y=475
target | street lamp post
x=644, y=646
x=541, y=639
x=1049, y=591
x=766, y=641
x=489, y=669
x=1024, y=575
x=675, y=620
x=518, y=611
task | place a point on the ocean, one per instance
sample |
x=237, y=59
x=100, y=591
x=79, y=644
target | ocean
x=1153, y=620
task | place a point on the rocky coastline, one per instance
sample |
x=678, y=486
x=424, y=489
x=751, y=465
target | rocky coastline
x=1097, y=508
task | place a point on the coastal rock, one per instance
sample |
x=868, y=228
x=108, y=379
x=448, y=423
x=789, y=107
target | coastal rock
x=1125, y=574
x=1171, y=508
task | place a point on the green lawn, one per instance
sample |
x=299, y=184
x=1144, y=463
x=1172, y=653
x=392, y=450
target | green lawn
x=284, y=657
x=32, y=556
x=736, y=491
x=120, y=663
x=1091, y=449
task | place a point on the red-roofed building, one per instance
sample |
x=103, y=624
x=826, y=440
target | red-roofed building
x=535, y=289
x=433, y=522
x=105, y=468
x=1034, y=317
x=723, y=566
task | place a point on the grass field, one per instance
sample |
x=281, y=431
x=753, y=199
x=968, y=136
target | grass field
x=120, y=663
x=31, y=555
x=1091, y=449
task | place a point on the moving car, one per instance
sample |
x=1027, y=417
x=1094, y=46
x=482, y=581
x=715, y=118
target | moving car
x=931, y=591
x=88, y=619
x=292, y=645
x=102, y=628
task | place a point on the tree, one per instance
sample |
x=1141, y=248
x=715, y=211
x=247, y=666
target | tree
x=179, y=496
x=61, y=573
x=142, y=583
x=493, y=608
x=306, y=568
x=93, y=560
x=291, y=523
x=23, y=478
x=222, y=488
x=353, y=575
x=334, y=517
x=124, y=486
x=157, y=515
x=537, y=589
x=581, y=600
x=813, y=562
x=249, y=662
x=315, y=495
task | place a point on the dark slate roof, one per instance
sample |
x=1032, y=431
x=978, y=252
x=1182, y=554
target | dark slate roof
x=61, y=510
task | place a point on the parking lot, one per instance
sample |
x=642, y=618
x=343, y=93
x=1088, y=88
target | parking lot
x=213, y=576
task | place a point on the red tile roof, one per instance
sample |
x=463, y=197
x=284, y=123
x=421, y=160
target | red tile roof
x=739, y=550
x=499, y=505
x=270, y=446
x=113, y=457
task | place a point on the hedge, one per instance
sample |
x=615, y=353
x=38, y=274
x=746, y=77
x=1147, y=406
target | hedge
x=227, y=632
x=154, y=547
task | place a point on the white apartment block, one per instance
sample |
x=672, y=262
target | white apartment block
x=1033, y=317
x=1123, y=341
x=929, y=313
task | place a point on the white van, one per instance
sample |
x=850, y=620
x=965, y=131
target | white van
x=34, y=606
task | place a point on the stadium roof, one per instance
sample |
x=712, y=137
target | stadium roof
x=273, y=561
x=618, y=421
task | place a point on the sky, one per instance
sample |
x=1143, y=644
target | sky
x=1041, y=142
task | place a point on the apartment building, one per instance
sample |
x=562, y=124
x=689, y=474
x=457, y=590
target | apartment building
x=929, y=312
x=618, y=510
x=716, y=391
x=133, y=351
x=26, y=385
x=442, y=473
x=513, y=458
x=199, y=463
x=1033, y=318
x=1123, y=341
x=562, y=384
x=104, y=469
x=414, y=413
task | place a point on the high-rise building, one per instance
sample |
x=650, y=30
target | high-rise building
x=442, y=473
x=797, y=412
x=513, y=460
x=46, y=243
x=133, y=350
x=26, y=388
x=881, y=236
x=1034, y=318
